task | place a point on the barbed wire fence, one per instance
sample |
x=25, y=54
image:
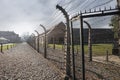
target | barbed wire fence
x=73, y=7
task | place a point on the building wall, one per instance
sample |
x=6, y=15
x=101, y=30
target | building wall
x=97, y=35
x=13, y=37
x=56, y=34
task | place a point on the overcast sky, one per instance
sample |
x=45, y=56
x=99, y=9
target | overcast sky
x=26, y=15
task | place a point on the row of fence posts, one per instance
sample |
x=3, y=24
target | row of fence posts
x=34, y=41
x=8, y=46
x=68, y=70
x=67, y=42
x=34, y=45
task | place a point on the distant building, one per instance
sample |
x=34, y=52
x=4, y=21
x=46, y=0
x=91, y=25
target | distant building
x=11, y=36
x=3, y=40
x=57, y=34
x=98, y=35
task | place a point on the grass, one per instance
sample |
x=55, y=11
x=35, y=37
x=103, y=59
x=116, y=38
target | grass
x=57, y=46
x=100, y=49
x=97, y=49
x=7, y=45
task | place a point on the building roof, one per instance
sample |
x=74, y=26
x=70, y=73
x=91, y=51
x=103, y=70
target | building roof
x=60, y=26
x=3, y=39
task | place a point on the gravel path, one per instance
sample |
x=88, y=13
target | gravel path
x=111, y=58
x=24, y=63
x=98, y=69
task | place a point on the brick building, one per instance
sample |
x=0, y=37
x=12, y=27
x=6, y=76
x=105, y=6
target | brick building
x=57, y=33
x=11, y=36
x=99, y=35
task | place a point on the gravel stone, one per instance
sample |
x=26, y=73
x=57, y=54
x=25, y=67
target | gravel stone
x=24, y=63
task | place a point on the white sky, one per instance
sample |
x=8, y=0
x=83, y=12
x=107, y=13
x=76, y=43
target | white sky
x=23, y=16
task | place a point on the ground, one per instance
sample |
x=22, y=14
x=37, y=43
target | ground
x=24, y=63
x=111, y=58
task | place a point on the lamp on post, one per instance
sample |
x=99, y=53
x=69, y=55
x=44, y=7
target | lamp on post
x=45, y=46
x=37, y=41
